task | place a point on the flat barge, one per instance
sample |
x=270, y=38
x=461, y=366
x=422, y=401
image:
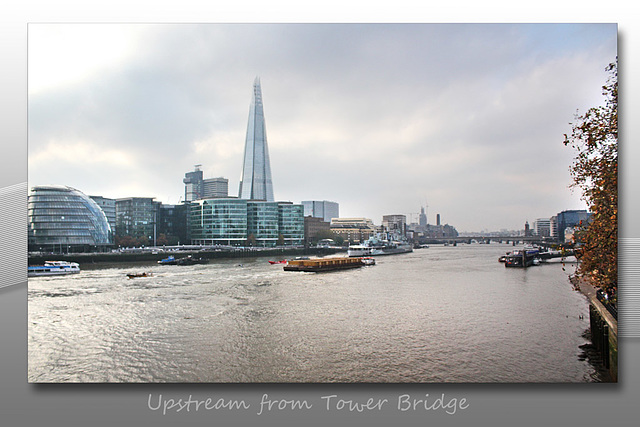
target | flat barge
x=325, y=264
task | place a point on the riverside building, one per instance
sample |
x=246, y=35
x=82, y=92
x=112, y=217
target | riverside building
x=63, y=219
x=321, y=209
x=239, y=222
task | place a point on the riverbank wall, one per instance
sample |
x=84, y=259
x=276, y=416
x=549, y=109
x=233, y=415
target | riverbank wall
x=604, y=329
x=88, y=259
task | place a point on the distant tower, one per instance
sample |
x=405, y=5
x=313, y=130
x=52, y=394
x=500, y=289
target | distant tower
x=438, y=219
x=423, y=218
x=255, y=183
x=193, y=185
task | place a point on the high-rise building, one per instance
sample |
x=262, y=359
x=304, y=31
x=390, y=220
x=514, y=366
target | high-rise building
x=321, y=209
x=422, y=218
x=215, y=187
x=542, y=227
x=396, y=224
x=255, y=182
x=193, y=185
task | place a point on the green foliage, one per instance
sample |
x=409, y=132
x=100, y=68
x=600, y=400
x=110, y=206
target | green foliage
x=595, y=172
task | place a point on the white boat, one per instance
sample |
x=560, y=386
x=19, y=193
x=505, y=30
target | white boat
x=53, y=268
x=379, y=246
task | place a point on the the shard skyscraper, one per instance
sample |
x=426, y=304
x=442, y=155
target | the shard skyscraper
x=255, y=182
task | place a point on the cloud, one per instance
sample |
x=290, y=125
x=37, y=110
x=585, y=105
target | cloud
x=378, y=117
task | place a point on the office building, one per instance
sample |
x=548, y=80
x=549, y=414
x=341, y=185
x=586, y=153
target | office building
x=291, y=224
x=542, y=227
x=394, y=224
x=321, y=209
x=570, y=219
x=215, y=188
x=136, y=217
x=313, y=227
x=108, y=206
x=353, y=230
x=240, y=222
x=171, y=224
x=193, y=185
x=63, y=219
x=256, y=183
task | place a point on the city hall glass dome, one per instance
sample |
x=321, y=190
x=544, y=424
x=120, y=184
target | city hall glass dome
x=63, y=219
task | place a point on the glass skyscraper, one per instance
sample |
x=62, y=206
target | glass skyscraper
x=255, y=183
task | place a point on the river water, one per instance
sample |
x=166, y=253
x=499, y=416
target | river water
x=440, y=314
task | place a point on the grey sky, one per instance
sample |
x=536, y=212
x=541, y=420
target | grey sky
x=381, y=118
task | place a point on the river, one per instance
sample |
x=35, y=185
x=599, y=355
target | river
x=441, y=314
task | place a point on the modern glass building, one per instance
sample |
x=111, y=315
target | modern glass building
x=262, y=223
x=218, y=222
x=321, y=209
x=136, y=217
x=63, y=219
x=239, y=222
x=291, y=223
x=256, y=183
x=193, y=185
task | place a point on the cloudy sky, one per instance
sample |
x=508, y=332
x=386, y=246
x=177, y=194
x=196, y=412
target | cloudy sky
x=381, y=118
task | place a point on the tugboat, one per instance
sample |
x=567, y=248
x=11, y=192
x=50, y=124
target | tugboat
x=53, y=268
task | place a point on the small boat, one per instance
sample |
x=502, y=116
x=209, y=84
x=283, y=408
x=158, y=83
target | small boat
x=368, y=261
x=170, y=260
x=134, y=275
x=282, y=261
x=53, y=268
x=188, y=260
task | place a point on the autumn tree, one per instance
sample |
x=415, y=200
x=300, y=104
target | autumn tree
x=595, y=172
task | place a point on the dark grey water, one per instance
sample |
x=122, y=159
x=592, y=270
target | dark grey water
x=442, y=314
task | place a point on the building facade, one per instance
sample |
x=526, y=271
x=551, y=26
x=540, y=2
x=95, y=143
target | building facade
x=570, y=219
x=313, y=227
x=321, y=209
x=395, y=224
x=63, y=219
x=542, y=227
x=215, y=187
x=240, y=222
x=353, y=230
x=291, y=224
x=136, y=217
x=256, y=182
x=172, y=224
x=108, y=206
x=193, y=185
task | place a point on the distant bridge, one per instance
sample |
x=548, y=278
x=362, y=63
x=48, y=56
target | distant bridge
x=515, y=240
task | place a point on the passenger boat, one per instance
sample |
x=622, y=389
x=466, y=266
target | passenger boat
x=324, y=264
x=53, y=268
